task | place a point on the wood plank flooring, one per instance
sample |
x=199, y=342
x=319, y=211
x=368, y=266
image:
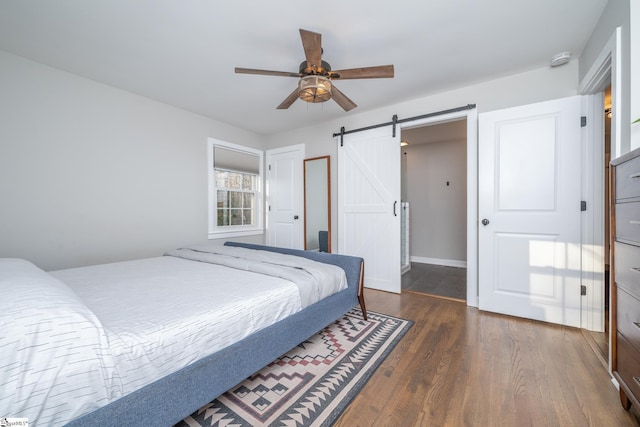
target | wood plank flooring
x=459, y=366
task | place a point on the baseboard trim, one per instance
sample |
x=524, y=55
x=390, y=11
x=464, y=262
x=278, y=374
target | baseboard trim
x=437, y=261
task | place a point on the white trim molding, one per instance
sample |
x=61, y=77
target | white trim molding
x=214, y=231
x=438, y=261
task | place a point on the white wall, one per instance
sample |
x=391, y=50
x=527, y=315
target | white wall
x=92, y=174
x=438, y=222
x=616, y=14
x=524, y=88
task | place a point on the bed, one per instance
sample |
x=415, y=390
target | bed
x=81, y=335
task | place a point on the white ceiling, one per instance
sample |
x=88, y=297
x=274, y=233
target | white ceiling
x=184, y=52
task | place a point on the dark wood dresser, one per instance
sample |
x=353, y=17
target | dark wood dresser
x=625, y=295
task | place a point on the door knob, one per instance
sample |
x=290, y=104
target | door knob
x=485, y=221
x=295, y=217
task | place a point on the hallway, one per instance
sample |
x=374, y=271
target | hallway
x=437, y=280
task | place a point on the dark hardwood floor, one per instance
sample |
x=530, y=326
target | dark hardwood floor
x=437, y=280
x=459, y=366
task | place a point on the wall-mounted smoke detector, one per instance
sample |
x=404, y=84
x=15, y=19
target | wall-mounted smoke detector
x=560, y=59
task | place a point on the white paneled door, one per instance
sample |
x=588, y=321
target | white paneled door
x=529, y=211
x=285, y=199
x=369, y=205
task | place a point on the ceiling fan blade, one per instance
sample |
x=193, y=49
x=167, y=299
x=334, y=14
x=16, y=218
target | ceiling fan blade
x=266, y=72
x=312, y=44
x=290, y=100
x=341, y=99
x=379, y=72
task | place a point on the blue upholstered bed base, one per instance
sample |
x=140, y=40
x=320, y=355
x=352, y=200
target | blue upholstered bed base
x=168, y=400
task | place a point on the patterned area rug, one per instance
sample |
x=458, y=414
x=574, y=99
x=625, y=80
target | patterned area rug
x=313, y=383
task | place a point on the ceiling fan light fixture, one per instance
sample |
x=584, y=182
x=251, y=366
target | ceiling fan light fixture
x=314, y=88
x=316, y=81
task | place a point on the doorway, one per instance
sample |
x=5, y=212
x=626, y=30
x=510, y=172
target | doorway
x=604, y=73
x=355, y=158
x=599, y=338
x=434, y=200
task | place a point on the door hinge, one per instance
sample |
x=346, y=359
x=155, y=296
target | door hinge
x=269, y=208
x=269, y=167
x=583, y=121
x=583, y=205
x=583, y=290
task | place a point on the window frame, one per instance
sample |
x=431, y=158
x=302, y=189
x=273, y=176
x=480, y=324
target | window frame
x=214, y=230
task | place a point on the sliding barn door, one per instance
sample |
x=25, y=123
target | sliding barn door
x=529, y=208
x=369, y=205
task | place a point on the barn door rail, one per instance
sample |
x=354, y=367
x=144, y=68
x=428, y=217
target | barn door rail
x=395, y=121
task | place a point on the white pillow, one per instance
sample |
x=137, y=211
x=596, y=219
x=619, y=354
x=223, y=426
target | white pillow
x=56, y=364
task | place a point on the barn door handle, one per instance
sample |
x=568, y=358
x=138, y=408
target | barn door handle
x=395, y=213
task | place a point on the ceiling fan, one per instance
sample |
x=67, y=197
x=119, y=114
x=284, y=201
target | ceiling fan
x=316, y=76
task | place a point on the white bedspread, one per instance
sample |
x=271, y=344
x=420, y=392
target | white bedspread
x=314, y=280
x=156, y=324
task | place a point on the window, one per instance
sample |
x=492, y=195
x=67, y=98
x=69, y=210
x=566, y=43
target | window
x=236, y=197
x=235, y=190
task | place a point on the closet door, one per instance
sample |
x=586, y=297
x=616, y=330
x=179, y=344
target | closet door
x=285, y=200
x=369, y=205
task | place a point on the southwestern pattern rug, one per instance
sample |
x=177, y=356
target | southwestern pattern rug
x=313, y=383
